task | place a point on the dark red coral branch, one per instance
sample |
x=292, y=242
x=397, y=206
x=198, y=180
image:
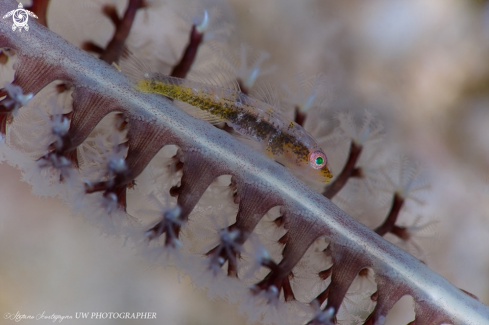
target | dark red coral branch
x=401, y=232
x=40, y=8
x=300, y=117
x=181, y=69
x=90, y=46
x=3, y=58
x=389, y=222
x=348, y=171
x=110, y=11
x=4, y=120
x=115, y=48
x=355, y=246
x=279, y=282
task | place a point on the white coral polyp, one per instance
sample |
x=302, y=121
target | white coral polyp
x=227, y=244
x=324, y=317
x=112, y=160
x=16, y=98
x=109, y=202
x=55, y=161
x=59, y=128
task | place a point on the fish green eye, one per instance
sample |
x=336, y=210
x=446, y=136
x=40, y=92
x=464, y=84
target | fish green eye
x=317, y=159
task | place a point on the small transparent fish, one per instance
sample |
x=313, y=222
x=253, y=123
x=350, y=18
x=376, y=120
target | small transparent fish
x=282, y=139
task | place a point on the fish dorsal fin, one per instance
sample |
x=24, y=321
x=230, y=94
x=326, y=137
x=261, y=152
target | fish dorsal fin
x=267, y=93
x=135, y=64
x=216, y=77
x=271, y=104
x=135, y=67
x=305, y=92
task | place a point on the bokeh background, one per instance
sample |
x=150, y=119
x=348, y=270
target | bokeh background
x=419, y=66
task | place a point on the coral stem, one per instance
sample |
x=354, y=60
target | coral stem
x=348, y=171
x=389, y=222
x=40, y=8
x=183, y=67
x=114, y=49
x=300, y=117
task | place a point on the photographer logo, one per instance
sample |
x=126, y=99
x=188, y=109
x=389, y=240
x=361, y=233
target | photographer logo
x=20, y=18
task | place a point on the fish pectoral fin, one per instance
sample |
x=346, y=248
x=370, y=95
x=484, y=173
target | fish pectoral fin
x=198, y=113
x=278, y=162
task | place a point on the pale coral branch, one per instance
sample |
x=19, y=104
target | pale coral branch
x=47, y=57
